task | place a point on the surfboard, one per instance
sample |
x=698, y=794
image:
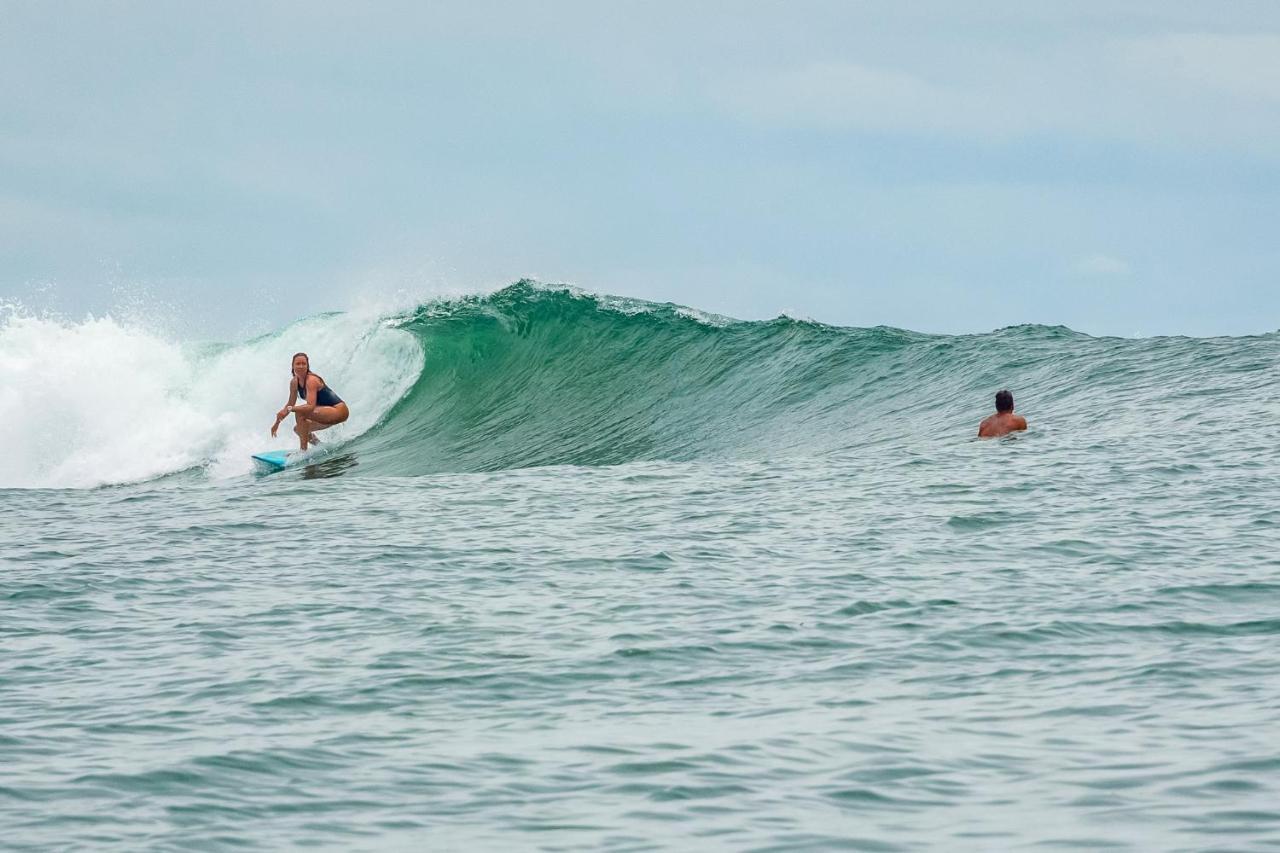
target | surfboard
x=269, y=461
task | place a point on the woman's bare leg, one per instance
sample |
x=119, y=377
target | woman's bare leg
x=321, y=417
x=312, y=427
x=303, y=430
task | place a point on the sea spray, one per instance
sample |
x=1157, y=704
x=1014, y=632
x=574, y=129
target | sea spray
x=100, y=401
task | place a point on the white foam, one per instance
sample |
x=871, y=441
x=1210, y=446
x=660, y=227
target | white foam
x=98, y=401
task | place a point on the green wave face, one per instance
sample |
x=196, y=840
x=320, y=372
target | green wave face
x=534, y=376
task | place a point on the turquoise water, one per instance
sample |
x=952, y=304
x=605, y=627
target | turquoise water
x=606, y=575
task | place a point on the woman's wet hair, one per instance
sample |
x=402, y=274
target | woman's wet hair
x=1004, y=401
x=308, y=358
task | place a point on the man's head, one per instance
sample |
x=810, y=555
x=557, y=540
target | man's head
x=1004, y=401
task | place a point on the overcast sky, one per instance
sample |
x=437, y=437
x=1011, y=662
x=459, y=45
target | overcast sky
x=939, y=166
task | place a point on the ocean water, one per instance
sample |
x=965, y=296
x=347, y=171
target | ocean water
x=588, y=573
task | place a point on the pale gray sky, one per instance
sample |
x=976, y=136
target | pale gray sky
x=1111, y=166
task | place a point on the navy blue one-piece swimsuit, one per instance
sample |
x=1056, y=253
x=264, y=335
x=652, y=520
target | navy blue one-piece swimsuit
x=324, y=397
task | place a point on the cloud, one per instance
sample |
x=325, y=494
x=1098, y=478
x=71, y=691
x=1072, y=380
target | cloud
x=1182, y=91
x=1102, y=265
x=850, y=95
x=1242, y=66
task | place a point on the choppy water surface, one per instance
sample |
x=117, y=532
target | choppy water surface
x=830, y=620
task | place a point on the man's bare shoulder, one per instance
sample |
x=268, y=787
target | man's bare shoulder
x=999, y=424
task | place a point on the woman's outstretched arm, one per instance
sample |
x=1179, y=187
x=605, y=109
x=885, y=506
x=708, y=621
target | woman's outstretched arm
x=283, y=413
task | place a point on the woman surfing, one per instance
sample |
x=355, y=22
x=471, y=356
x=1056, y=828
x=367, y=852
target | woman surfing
x=326, y=409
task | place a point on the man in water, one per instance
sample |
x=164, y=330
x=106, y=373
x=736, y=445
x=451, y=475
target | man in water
x=1004, y=421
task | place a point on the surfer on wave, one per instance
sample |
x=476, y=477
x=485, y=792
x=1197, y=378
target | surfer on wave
x=1004, y=421
x=326, y=410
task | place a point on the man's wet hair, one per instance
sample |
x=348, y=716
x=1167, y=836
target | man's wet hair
x=1004, y=401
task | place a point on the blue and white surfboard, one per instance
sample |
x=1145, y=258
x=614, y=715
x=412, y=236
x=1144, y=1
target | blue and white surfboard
x=270, y=461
